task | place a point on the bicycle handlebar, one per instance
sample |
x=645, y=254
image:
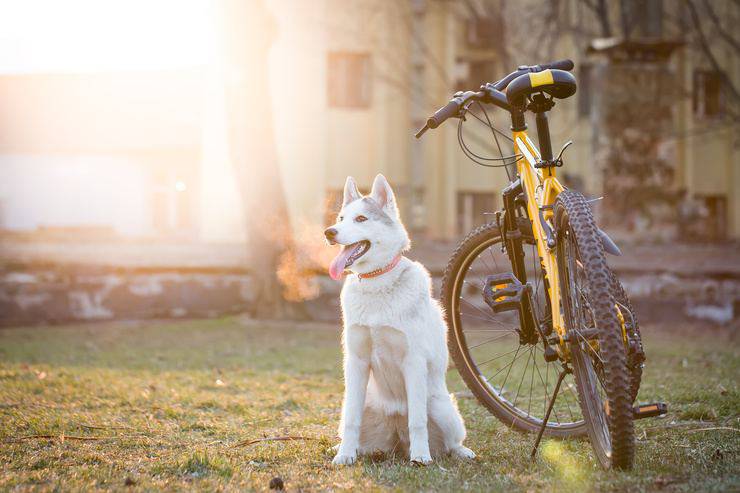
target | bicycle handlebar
x=451, y=109
x=565, y=64
x=445, y=112
x=489, y=93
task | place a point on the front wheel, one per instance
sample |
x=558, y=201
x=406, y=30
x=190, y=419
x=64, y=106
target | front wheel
x=510, y=377
x=597, y=344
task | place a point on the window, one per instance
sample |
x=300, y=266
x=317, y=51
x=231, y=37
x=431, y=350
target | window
x=484, y=32
x=475, y=73
x=585, y=85
x=349, y=80
x=717, y=220
x=707, y=94
x=471, y=207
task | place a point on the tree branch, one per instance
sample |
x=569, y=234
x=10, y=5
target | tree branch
x=718, y=27
x=626, y=18
x=708, y=51
x=601, y=11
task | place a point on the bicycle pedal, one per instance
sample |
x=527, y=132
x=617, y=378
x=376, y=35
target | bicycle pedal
x=503, y=292
x=650, y=410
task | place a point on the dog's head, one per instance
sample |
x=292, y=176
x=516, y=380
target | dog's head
x=368, y=228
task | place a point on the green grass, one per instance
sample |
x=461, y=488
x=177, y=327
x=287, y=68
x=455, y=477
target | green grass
x=169, y=402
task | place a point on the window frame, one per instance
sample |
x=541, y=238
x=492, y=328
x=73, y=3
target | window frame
x=349, y=80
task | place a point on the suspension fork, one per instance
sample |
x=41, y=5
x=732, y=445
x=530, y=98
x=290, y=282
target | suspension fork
x=512, y=237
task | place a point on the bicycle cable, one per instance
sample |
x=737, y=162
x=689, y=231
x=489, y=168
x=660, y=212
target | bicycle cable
x=478, y=159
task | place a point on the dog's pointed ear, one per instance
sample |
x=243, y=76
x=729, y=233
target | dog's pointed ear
x=383, y=195
x=350, y=191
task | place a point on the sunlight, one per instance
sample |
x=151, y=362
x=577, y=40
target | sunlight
x=565, y=464
x=102, y=35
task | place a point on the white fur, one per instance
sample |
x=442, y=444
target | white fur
x=395, y=345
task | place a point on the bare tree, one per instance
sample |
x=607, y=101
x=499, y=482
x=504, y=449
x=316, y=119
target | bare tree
x=700, y=41
x=693, y=28
x=248, y=30
x=635, y=115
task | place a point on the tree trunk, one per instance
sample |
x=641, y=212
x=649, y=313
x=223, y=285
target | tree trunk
x=248, y=30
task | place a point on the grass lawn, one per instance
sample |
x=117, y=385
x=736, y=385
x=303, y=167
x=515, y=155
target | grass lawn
x=168, y=403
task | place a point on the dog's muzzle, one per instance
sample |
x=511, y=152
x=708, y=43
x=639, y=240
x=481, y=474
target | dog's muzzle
x=331, y=234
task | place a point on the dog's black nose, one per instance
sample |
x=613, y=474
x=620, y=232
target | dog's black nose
x=330, y=233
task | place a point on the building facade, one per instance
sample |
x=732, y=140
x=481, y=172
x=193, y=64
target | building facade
x=146, y=153
x=386, y=67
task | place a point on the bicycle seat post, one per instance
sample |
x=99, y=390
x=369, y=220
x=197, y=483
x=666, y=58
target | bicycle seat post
x=540, y=105
x=543, y=133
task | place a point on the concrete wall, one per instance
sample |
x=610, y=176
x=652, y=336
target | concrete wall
x=54, y=294
x=62, y=295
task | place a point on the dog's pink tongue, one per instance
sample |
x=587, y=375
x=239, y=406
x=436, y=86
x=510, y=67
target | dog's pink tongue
x=336, y=269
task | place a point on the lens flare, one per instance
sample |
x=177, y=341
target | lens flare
x=565, y=463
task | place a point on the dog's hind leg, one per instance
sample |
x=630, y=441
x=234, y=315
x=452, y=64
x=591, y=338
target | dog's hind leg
x=448, y=422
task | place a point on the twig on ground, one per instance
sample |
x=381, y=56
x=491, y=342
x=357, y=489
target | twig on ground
x=56, y=437
x=62, y=437
x=272, y=439
x=712, y=428
x=671, y=426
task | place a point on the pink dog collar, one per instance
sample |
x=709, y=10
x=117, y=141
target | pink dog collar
x=382, y=270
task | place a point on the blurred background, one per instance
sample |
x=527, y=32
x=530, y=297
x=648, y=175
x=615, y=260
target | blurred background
x=181, y=158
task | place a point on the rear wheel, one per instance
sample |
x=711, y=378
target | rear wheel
x=597, y=346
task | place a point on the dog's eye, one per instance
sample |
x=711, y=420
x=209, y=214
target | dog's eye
x=360, y=219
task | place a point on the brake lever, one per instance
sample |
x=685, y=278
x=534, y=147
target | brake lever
x=421, y=131
x=557, y=162
x=563, y=149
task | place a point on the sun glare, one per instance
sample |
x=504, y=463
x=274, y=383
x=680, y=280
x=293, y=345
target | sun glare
x=564, y=462
x=112, y=55
x=102, y=35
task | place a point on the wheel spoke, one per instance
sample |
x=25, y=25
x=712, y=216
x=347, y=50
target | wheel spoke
x=500, y=356
x=531, y=386
x=547, y=395
x=508, y=331
x=524, y=373
x=507, y=366
x=488, y=317
x=489, y=341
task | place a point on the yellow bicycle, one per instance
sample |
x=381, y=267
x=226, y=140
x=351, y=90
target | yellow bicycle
x=531, y=303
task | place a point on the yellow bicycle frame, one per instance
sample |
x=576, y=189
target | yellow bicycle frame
x=541, y=188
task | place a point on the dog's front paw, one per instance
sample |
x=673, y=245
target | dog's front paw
x=421, y=459
x=344, y=459
x=463, y=452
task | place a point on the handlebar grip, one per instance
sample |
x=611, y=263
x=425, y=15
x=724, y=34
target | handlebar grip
x=442, y=114
x=559, y=65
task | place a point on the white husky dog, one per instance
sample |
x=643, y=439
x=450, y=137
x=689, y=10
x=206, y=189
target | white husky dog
x=395, y=344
